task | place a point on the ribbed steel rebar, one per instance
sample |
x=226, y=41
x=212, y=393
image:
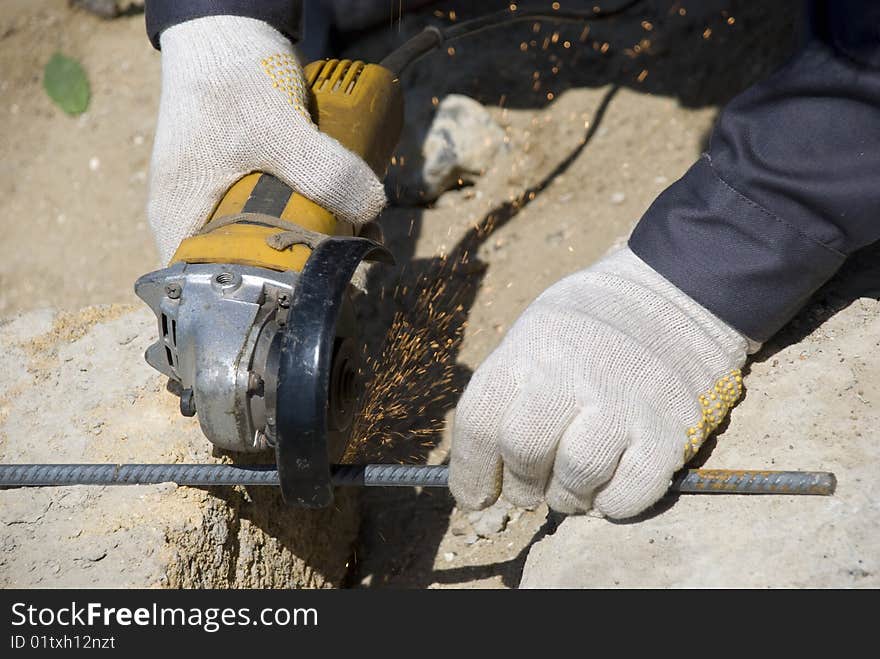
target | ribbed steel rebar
x=695, y=481
x=39, y=475
x=745, y=481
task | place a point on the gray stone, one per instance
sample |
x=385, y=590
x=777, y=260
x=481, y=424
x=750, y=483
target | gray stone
x=109, y=8
x=492, y=520
x=460, y=145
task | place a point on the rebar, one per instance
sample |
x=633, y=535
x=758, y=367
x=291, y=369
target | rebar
x=692, y=481
x=745, y=481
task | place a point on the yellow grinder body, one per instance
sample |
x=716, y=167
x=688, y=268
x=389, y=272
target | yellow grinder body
x=358, y=104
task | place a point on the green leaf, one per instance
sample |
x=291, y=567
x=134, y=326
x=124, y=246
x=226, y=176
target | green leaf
x=66, y=83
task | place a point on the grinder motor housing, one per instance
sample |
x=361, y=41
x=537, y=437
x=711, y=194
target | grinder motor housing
x=256, y=328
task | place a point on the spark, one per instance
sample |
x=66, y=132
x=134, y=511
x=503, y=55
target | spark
x=413, y=378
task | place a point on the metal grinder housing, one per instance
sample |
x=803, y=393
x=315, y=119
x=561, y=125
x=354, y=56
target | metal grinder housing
x=256, y=328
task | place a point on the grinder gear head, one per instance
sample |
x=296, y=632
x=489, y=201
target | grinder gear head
x=266, y=361
x=256, y=327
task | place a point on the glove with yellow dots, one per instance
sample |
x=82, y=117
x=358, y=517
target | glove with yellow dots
x=233, y=102
x=606, y=385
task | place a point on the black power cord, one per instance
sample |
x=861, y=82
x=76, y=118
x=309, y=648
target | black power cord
x=433, y=37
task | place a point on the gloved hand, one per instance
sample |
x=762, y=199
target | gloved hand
x=234, y=101
x=604, y=387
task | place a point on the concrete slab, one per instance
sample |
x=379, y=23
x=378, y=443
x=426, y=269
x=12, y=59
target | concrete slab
x=811, y=405
x=75, y=388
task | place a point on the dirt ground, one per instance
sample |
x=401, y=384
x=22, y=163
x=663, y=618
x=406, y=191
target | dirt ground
x=598, y=123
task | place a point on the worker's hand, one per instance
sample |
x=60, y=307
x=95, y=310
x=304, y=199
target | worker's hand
x=605, y=386
x=233, y=102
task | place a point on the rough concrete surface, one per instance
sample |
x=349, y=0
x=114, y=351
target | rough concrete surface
x=812, y=402
x=76, y=389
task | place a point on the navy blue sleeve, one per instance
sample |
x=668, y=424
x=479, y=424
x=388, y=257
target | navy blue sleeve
x=283, y=15
x=790, y=185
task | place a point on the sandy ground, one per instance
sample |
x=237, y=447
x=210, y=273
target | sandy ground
x=74, y=190
x=595, y=132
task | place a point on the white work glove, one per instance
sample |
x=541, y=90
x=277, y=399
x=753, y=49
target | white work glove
x=604, y=387
x=233, y=102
